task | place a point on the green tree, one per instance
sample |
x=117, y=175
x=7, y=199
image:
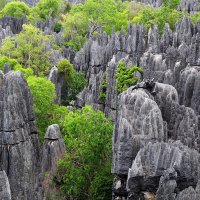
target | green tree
x=66, y=68
x=88, y=19
x=76, y=85
x=43, y=92
x=30, y=50
x=149, y=16
x=47, y=8
x=27, y=72
x=12, y=62
x=16, y=9
x=126, y=77
x=88, y=139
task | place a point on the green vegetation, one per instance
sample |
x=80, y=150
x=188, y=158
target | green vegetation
x=87, y=162
x=88, y=19
x=102, y=95
x=16, y=9
x=160, y=16
x=57, y=27
x=74, y=81
x=12, y=62
x=27, y=72
x=195, y=18
x=30, y=50
x=66, y=68
x=47, y=8
x=76, y=85
x=126, y=77
x=43, y=92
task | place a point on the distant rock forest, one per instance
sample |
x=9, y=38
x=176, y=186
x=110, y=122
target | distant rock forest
x=100, y=100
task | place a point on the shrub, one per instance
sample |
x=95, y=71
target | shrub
x=66, y=68
x=27, y=72
x=43, y=92
x=85, y=20
x=76, y=85
x=57, y=27
x=16, y=9
x=11, y=62
x=159, y=16
x=48, y=8
x=126, y=77
x=102, y=95
x=88, y=139
x=196, y=17
x=30, y=50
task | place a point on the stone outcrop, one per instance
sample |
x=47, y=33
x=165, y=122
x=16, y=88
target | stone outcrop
x=23, y=161
x=12, y=23
x=19, y=152
x=5, y=193
x=53, y=149
x=162, y=122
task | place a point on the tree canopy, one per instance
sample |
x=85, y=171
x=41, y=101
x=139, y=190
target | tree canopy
x=29, y=49
x=16, y=9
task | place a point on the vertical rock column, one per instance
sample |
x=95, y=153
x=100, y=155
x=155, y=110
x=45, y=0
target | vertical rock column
x=19, y=148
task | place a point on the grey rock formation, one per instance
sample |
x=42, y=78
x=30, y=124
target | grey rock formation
x=19, y=152
x=5, y=193
x=153, y=159
x=167, y=185
x=53, y=150
x=190, y=6
x=155, y=117
x=53, y=77
x=6, y=68
x=5, y=32
x=13, y=23
x=154, y=3
x=139, y=121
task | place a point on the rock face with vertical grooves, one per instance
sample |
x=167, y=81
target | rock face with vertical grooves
x=53, y=149
x=19, y=142
x=5, y=193
x=164, y=119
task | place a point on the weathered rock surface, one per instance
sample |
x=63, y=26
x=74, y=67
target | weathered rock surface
x=53, y=149
x=5, y=193
x=19, y=152
x=12, y=23
x=165, y=117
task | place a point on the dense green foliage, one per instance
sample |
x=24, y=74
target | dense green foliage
x=196, y=17
x=43, y=92
x=12, y=62
x=66, y=68
x=47, y=8
x=74, y=81
x=88, y=19
x=16, y=9
x=160, y=16
x=28, y=72
x=102, y=95
x=30, y=50
x=87, y=162
x=126, y=77
x=76, y=85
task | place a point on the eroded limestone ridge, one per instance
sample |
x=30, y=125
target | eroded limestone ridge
x=162, y=124
x=23, y=160
x=19, y=152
